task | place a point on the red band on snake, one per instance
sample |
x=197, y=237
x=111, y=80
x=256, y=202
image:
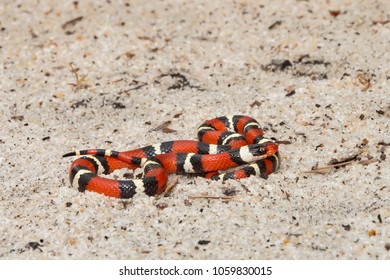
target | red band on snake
x=224, y=143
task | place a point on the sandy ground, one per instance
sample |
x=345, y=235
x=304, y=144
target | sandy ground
x=315, y=74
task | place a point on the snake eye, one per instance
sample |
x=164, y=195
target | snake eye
x=263, y=150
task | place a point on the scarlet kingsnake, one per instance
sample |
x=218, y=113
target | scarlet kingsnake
x=224, y=143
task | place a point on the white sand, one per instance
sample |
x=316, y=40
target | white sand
x=130, y=53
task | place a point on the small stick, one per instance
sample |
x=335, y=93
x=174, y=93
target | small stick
x=324, y=169
x=161, y=126
x=211, y=197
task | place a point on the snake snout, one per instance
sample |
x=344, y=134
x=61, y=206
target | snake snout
x=272, y=149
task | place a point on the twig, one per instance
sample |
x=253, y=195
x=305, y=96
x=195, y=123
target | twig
x=211, y=197
x=161, y=126
x=327, y=168
x=80, y=81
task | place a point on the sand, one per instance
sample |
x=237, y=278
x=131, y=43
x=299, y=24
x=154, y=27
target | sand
x=101, y=74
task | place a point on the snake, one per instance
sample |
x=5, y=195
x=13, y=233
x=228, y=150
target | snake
x=228, y=147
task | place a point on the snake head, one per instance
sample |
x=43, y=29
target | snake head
x=265, y=148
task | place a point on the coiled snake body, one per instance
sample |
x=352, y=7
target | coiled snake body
x=224, y=143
